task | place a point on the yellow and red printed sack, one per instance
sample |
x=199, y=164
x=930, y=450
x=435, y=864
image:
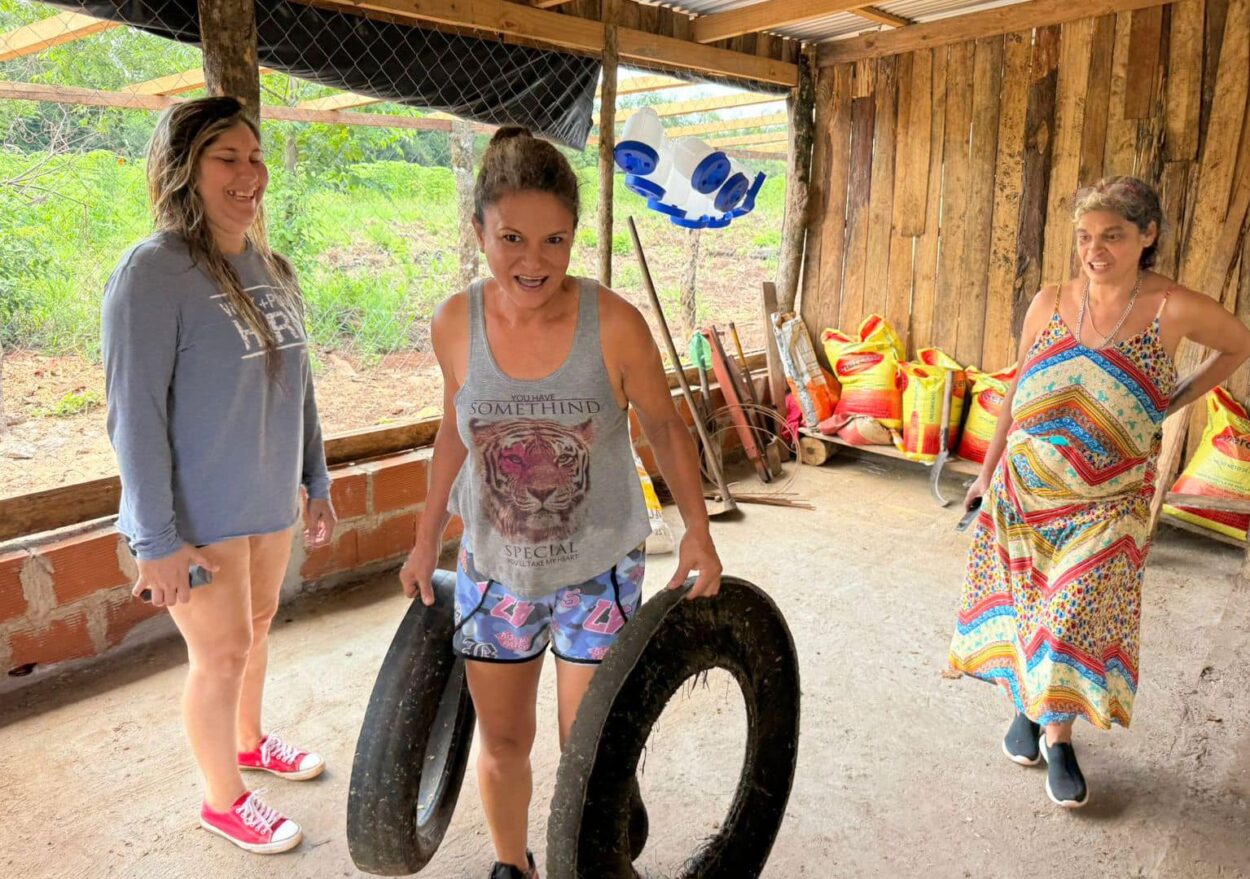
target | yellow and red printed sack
x=1219, y=468
x=989, y=392
x=924, y=387
x=866, y=367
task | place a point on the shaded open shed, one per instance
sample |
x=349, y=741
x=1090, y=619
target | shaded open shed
x=933, y=150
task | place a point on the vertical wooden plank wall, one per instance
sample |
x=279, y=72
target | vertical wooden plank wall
x=946, y=177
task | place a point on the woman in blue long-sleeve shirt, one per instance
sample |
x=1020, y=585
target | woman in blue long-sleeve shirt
x=214, y=423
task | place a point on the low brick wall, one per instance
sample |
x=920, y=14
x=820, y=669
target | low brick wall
x=65, y=595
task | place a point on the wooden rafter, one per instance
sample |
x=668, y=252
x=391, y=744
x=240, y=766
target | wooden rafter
x=48, y=32
x=880, y=16
x=632, y=86
x=758, y=141
x=60, y=94
x=768, y=15
x=974, y=25
x=576, y=34
x=701, y=105
x=176, y=83
x=721, y=126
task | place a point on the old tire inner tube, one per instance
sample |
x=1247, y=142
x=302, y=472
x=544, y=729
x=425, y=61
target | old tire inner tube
x=667, y=642
x=414, y=744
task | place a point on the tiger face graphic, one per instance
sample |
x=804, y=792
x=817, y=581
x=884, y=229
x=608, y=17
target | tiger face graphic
x=535, y=476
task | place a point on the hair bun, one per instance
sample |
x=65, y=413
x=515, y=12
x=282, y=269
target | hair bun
x=507, y=132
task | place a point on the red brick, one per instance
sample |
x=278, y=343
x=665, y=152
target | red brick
x=84, y=564
x=123, y=613
x=342, y=555
x=61, y=639
x=349, y=492
x=398, y=482
x=393, y=537
x=12, y=599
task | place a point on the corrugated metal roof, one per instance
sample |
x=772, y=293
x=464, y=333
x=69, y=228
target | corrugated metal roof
x=847, y=24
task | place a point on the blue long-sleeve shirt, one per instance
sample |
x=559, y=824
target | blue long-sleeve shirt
x=208, y=446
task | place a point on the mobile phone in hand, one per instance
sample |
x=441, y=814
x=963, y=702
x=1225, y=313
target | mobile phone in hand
x=974, y=510
x=196, y=576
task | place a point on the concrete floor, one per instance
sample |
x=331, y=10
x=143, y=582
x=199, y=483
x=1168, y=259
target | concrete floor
x=900, y=772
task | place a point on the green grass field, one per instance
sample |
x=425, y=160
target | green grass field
x=375, y=249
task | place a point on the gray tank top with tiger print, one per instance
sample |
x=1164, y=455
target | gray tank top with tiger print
x=548, y=493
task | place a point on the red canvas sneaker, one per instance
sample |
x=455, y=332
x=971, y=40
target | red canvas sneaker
x=286, y=761
x=252, y=825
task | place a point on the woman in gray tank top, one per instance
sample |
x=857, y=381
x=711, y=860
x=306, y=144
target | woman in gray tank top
x=539, y=371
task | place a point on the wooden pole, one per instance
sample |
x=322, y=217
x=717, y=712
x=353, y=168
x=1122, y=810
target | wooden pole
x=690, y=286
x=799, y=105
x=461, y=142
x=607, y=138
x=228, y=38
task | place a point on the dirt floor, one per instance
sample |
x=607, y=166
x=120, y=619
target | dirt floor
x=900, y=772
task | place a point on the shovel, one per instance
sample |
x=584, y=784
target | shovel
x=726, y=502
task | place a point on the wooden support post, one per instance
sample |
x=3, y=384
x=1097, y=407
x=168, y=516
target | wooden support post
x=461, y=142
x=607, y=138
x=690, y=287
x=228, y=38
x=799, y=105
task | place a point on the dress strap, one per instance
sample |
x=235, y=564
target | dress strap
x=1058, y=293
x=1166, y=293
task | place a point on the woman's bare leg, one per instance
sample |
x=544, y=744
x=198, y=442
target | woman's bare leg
x=217, y=627
x=269, y=556
x=504, y=696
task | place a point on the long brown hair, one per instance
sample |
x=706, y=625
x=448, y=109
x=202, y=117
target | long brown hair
x=182, y=135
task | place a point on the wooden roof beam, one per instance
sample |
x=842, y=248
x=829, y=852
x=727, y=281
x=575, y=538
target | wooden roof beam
x=575, y=34
x=756, y=141
x=61, y=94
x=768, y=15
x=632, y=86
x=700, y=105
x=880, y=16
x=973, y=26
x=175, y=83
x=66, y=27
x=719, y=126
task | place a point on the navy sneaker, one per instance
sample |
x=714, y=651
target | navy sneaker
x=1065, y=785
x=1021, y=742
x=510, y=871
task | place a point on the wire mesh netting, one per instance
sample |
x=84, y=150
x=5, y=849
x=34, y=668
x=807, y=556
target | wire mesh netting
x=364, y=198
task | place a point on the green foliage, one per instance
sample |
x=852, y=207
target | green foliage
x=74, y=403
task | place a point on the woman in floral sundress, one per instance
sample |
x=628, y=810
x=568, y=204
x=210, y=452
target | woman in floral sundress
x=1051, y=604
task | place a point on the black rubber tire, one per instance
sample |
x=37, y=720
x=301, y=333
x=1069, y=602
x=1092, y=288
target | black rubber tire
x=668, y=641
x=414, y=743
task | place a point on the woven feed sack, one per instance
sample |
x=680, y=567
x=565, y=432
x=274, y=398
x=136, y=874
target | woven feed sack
x=989, y=392
x=923, y=388
x=867, y=371
x=811, y=386
x=661, y=539
x=939, y=359
x=1219, y=468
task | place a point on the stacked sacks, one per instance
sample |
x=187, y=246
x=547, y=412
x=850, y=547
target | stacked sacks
x=1219, y=468
x=923, y=387
x=870, y=408
x=989, y=392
